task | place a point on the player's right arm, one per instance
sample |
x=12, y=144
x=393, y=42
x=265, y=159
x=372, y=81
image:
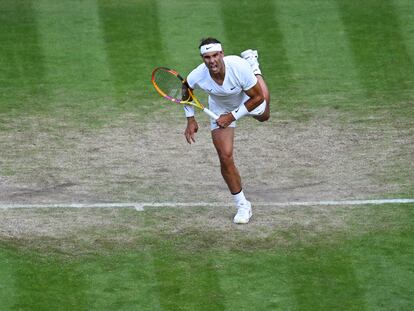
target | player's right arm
x=192, y=126
x=190, y=130
x=186, y=95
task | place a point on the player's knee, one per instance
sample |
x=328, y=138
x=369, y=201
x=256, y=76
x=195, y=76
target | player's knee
x=226, y=158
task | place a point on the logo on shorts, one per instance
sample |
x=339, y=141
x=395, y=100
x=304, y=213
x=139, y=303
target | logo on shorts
x=232, y=88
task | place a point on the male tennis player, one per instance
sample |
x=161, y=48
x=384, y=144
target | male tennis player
x=236, y=89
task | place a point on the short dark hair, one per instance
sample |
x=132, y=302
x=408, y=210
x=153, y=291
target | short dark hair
x=208, y=40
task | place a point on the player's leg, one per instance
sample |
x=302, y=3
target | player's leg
x=223, y=140
x=252, y=58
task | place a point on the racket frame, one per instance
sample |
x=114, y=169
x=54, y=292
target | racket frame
x=194, y=102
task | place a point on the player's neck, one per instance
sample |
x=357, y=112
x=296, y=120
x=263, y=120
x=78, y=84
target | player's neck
x=218, y=77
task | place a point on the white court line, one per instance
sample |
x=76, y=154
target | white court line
x=139, y=206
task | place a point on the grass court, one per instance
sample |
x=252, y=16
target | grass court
x=81, y=123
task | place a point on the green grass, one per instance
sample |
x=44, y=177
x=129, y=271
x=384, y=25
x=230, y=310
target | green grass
x=93, y=60
x=87, y=64
x=364, y=265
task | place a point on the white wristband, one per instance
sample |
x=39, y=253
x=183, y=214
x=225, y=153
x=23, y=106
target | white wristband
x=189, y=111
x=241, y=111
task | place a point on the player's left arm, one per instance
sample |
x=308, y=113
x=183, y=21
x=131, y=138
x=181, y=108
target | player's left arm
x=256, y=97
x=255, y=94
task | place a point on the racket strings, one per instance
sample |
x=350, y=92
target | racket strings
x=170, y=84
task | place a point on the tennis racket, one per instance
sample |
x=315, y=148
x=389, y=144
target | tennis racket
x=170, y=85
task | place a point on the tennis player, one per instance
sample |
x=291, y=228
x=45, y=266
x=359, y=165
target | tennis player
x=236, y=89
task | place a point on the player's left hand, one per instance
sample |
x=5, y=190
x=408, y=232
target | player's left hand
x=225, y=120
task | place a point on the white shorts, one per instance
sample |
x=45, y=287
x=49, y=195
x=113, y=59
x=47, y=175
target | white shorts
x=219, y=111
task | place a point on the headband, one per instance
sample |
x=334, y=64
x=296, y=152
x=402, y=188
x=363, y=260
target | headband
x=211, y=47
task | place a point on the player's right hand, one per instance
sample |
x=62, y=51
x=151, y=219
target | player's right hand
x=191, y=129
x=225, y=120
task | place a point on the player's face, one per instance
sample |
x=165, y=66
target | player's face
x=214, y=61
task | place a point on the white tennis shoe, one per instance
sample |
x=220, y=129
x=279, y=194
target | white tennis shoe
x=244, y=213
x=252, y=58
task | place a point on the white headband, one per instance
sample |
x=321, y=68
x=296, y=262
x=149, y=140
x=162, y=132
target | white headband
x=212, y=47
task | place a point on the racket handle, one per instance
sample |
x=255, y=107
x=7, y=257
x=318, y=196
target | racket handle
x=211, y=113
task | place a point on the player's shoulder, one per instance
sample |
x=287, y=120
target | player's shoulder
x=237, y=64
x=235, y=59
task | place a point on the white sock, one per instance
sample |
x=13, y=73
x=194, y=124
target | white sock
x=239, y=198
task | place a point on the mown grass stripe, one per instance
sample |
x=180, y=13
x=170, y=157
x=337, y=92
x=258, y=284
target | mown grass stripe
x=404, y=11
x=75, y=55
x=328, y=272
x=260, y=33
x=120, y=281
x=183, y=280
x=22, y=70
x=182, y=25
x=378, y=49
x=382, y=264
x=318, y=54
x=43, y=283
x=8, y=289
x=132, y=41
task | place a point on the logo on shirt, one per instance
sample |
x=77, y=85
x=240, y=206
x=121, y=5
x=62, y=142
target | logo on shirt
x=232, y=88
